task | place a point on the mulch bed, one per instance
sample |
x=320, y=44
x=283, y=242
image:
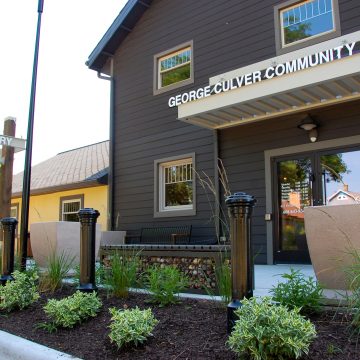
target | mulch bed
x=193, y=329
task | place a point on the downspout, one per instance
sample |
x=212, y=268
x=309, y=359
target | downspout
x=110, y=205
x=217, y=187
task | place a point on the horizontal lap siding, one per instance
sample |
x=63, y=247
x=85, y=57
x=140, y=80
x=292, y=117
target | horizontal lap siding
x=243, y=147
x=227, y=34
x=146, y=129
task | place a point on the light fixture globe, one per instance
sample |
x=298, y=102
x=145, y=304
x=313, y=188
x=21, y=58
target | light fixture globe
x=308, y=123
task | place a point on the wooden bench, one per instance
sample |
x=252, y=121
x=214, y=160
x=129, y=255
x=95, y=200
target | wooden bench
x=161, y=235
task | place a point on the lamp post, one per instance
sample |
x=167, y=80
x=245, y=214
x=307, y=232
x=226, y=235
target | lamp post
x=240, y=207
x=28, y=152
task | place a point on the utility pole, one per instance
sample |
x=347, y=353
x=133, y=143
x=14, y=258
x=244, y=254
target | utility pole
x=6, y=168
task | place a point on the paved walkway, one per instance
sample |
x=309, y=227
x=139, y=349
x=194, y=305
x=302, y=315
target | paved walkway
x=267, y=276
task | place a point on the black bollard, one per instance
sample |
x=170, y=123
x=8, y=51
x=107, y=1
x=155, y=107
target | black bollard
x=87, y=218
x=240, y=207
x=8, y=250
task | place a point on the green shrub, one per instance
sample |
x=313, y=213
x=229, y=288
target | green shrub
x=122, y=274
x=131, y=326
x=73, y=309
x=298, y=291
x=19, y=293
x=164, y=283
x=266, y=331
x=57, y=267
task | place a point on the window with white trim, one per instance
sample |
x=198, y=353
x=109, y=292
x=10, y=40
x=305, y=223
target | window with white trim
x=70, y=209
x=173, y=68
x=304, y=23
x=14, y=209
x=175, y=187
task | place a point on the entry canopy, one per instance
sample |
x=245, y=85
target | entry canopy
x=321, y=75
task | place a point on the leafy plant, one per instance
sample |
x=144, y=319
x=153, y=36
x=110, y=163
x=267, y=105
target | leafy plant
x=164, y=283
x=131, y=326
x=57, y=268
x=19, y=293
x=298, y=291
x=352, y=275
x=266, y=331
x=122, y=274
x=223, y=282
x=71, y=310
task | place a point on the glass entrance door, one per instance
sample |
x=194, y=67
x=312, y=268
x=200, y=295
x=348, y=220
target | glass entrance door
x=294, y=190
x=330, y=177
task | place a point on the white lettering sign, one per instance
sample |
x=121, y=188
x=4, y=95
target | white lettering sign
x=271, y=72
x=5, y=140
x=17, y=144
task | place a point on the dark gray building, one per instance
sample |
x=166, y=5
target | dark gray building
x=272, y=88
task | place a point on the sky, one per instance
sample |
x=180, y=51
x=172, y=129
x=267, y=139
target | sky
x=72, y=103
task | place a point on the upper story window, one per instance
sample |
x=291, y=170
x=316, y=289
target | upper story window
x=173, y=68
x=304, y=23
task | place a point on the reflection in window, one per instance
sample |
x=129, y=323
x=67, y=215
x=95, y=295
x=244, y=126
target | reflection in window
x=307, y=19
x=176, y=184
x=341, y=178
x=175, y=67
x=295, y=193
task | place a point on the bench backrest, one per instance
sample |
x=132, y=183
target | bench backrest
x=166, y=235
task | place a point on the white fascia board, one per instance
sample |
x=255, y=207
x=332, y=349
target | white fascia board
x=330, y=71
x=342, y=40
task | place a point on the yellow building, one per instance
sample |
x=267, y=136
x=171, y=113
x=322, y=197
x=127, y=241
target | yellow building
x=65, y=183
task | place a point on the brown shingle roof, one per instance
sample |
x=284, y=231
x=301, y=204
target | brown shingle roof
x=70, y=169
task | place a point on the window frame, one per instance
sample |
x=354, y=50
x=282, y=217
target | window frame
x=157, y=89
x=15, y=206
x=67, y=199
x=160, y=210
x=285, y=48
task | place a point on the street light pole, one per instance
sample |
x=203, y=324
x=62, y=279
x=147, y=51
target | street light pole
x=28, y=153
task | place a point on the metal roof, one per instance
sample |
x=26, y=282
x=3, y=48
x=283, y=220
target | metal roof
x=117, y=32
x=81, y=167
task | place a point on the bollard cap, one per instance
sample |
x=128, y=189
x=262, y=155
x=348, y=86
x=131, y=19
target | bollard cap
x=88, y=213
x=240, y=199
x=9, y=221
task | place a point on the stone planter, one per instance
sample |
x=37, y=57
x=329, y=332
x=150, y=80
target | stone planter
x=330, y=232
x=59, y=236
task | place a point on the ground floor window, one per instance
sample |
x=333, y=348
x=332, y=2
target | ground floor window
x=14, y=211
x=175, y=186
x=70, y=206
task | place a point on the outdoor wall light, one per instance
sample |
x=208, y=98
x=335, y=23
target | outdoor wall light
x=310, y=125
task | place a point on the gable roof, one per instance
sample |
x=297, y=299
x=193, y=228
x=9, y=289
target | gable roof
x=117, y=32
x=354, y=195
x=82, y=167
